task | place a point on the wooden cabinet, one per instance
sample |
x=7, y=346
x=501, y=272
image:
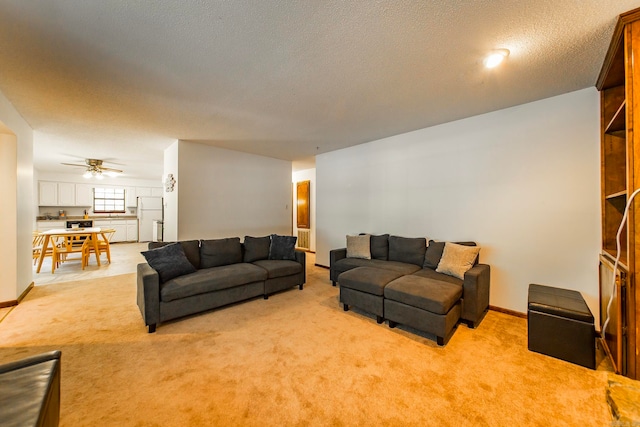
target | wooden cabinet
x=132, y=230
x=619, y=86
x=157, y=192
x=66, y=194
x=130, y=197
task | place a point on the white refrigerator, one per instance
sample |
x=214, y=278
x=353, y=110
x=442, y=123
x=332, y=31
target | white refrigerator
x=149, y=210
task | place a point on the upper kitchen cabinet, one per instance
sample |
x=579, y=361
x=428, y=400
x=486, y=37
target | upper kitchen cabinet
x=84, y=195
x=57, y=194
x=64, y=194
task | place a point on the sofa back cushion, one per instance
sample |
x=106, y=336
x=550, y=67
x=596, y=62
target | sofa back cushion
x=434, y=253
x=380, y=247
x=191, y=250
x=217, y=252
x=407, y=250
x=169, y=261
x=256, y=248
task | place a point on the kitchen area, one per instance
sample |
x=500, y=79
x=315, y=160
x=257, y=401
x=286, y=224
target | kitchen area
x=134, y=212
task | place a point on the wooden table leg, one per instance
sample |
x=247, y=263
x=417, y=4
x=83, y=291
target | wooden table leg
x=94, y=238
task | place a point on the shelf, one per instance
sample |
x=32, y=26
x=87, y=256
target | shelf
x=617, y=125
x=617, y=195
x=611, y=255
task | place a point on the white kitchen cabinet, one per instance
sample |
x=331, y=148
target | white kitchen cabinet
x=48, y=193
x=143, y=191
x=132, y=230
x=130, y=197
x=121, y=231
x=126, y=229
x=66, y=194
x=157, y=192
x=84, y=195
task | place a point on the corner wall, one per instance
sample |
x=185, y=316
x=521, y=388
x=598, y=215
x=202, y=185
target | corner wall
x=225, y=193
x=523, y=182
x=16, y=210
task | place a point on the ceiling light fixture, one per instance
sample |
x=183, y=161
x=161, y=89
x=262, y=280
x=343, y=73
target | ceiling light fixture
x=496, y=57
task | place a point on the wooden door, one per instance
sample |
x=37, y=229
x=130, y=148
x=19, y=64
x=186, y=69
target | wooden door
x=303, y=205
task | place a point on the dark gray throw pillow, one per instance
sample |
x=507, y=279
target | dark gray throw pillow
x=256, y=248
x=407, y=250
x=380, y=247
x=218, y=252
x=282, y=247
x=191, y=250
x=169, y=261
x=434, y=253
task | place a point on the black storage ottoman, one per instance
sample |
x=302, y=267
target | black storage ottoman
x=561, y=325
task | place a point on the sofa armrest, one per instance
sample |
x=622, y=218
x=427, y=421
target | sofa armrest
x=475, y=294
x=335, y=255
x=301, y=257
x=148, y=282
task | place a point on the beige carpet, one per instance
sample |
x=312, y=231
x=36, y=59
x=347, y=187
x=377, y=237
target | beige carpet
x=295, y=359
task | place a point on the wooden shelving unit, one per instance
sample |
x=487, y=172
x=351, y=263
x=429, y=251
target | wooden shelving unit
x=619, y=86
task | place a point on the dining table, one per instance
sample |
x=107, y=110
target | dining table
x=91, y=232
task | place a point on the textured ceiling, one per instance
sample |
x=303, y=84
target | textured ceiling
x=121, y=80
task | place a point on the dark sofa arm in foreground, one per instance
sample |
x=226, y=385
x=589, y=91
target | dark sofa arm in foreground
x=30, y=391
x=148, y=284
x=475, y=294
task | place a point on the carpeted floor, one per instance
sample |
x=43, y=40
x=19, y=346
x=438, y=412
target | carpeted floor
x=294, y=359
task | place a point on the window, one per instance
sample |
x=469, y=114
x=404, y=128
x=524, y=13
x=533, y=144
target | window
x=108, y=200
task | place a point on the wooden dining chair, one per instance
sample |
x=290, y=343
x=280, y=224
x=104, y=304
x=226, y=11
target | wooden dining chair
x=103, y=240
x=38, y=246
x=65, y=245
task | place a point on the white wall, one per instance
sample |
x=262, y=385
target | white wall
x=306, y=175
x=224, y=193
x=170, y=232
x=16, y=210
x=523, y=182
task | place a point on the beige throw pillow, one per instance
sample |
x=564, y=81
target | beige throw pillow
x=359, y=246
x=457, y=259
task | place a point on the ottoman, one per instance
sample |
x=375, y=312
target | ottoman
x=363, y=287
x=561, y=325
x=429, y=305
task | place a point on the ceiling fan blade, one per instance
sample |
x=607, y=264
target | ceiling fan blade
x=110, y=169
x=71, y=164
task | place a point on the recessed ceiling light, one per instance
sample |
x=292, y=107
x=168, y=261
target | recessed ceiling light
x=495, y=58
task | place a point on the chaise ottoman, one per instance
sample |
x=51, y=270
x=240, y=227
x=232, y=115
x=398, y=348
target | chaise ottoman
x=429, y=305
x=363, y=287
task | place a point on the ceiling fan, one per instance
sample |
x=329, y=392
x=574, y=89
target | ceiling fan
x=95, y=169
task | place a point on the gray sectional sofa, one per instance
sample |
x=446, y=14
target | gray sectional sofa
x=194, y=276
x=404, y=281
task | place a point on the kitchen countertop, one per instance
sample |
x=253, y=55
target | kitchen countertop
x=80, y=218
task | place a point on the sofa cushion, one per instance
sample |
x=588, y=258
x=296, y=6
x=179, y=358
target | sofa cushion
x=457, y=259
x=359, y=246
x=380, y=247
x=169, y=261
x=217, y=252
x=191, y=250
x=407, y=250
x=345, y=264
x=211, y=279
x=282, y=247
x=428, y=294
x=256, y=248
x=434, y=253
x=432, y=274
x=279, y=268
x=368, y=280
